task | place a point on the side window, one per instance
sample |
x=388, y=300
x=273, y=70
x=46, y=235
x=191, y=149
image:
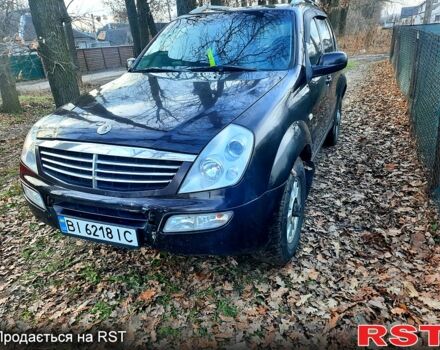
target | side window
x=326, y=36
x=314, y=45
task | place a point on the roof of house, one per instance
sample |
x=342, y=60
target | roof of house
x=120, y=33
x=82, y=35
x=116, y=36
x=409, y=11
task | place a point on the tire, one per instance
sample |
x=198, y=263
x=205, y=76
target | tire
x=333, y=134
x=284, y=237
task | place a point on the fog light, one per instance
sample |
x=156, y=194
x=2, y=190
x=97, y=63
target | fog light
x=33, y=197
x=198, y=222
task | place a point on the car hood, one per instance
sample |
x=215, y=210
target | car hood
x=178, y=112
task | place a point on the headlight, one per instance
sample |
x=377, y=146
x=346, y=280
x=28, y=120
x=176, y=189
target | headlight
x=28, y=154
x=222, y=162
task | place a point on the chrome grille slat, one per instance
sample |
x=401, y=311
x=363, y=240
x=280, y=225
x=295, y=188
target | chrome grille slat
x=43, y=159
x=133, y=173
x=82, y=176
x=134, y=181
x=87, y=160
x=138, y=165
x=104, y=168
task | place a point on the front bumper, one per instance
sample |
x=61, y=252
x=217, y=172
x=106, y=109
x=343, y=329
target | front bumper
x=246, y=232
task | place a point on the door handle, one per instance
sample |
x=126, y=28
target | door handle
x=329, y=80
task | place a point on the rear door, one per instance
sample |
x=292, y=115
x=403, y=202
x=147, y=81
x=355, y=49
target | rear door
x=328, y=46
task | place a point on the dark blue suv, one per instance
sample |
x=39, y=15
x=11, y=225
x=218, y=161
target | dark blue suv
x=205, y=146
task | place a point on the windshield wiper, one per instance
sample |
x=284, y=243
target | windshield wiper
x=222, y=68
x=157, y=70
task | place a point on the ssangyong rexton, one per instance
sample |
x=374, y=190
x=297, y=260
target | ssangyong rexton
x=205, y=146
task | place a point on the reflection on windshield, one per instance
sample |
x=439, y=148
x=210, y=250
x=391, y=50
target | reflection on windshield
x=250, y=39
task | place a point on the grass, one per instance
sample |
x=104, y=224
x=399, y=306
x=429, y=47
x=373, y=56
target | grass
x=45, y=99
x=132, y=280
x=226, y=308
x=37, y=251
x=168, y=332
x=352, y=65
x=13, y=191
x=27, y=316
x=57, y=264
x=102, y=310
x=90, y=275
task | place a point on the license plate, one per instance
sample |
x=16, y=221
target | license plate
x=98, y=231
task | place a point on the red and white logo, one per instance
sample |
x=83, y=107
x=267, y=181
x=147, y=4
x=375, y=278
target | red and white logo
x=402, y=336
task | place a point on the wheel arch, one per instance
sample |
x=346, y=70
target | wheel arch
x=296, y=143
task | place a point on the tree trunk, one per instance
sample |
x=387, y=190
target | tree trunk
x=428, y=11
x=185, y=6
x=343, y=20
x=134, y=26
x=142, y=12
x=70, y=40
x=8, y=90
x=151, y=25
x=54, y=50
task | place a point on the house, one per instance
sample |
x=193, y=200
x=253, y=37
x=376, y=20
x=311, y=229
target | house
x=26, y=32
x=118, y=34
x=84, y=40
x=415, y=15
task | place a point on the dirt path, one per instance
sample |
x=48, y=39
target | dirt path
x=369, y=254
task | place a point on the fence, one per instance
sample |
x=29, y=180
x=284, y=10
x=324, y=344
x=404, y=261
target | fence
x=27, y=67
x=415, y=54
x=102, y=58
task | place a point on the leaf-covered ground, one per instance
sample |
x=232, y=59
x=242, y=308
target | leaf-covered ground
x=370, y=253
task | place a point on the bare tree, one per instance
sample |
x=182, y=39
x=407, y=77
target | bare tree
x=54, y=50
x=8, y=90
x=134, y=25
x=359, y=15
x=150, y=20
x=185, y=6
x=142, y=12
x=67, y=21
x=119, y=10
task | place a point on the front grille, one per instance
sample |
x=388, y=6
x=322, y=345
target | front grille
x=107, y=171
x=101, y=214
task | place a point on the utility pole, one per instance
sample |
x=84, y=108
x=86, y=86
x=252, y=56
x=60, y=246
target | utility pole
x=428, y=11
x=93, y=25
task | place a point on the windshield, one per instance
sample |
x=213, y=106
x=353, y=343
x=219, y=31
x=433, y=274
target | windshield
x=260, y=40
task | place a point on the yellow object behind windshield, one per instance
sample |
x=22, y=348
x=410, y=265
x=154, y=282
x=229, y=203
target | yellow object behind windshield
x=211, y=58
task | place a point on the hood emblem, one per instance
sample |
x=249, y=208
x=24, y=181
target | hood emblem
x=104, y=128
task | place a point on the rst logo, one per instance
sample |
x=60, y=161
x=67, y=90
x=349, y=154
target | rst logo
x=399, y=335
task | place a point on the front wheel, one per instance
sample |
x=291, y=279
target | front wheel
x=285, y=232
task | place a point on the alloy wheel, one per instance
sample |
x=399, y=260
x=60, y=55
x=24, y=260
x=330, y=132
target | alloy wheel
x=294, y=212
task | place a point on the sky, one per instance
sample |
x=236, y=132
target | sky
x=81, y=7
x=97, y=7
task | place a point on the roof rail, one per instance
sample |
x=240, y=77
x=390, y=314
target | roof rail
x=207, y=7
x=297, y=2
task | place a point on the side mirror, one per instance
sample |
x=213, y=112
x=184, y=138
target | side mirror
x=130, y=62
x=329, y=63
